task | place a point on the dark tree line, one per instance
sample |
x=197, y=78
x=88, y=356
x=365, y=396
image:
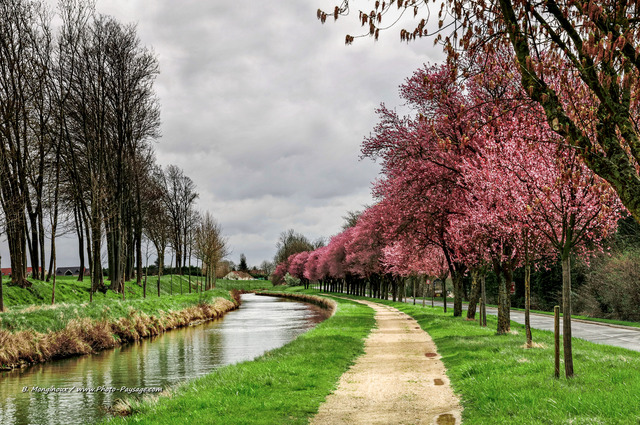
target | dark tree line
x=78, y=115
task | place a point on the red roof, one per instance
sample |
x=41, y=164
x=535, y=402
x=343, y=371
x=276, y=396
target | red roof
x=7, y=270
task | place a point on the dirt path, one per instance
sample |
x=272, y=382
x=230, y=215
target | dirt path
x=398, y=380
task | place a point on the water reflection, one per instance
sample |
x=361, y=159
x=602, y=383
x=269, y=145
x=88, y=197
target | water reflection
x=261, y=324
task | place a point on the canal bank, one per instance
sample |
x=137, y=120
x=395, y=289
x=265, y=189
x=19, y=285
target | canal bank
x=38, y=334
x=138, y=369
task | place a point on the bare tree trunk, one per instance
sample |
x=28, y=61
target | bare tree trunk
x=160, y=265
x=79, y=230
x=1, y=286
x=43, y=260
x=33, y=243
x=566, y=314
x=54, y=225
x=444, y=293
x=504, y=321
x=456, y=278
x=146, y=273
x=17, y=244
x=413, y=282
x=53, y=287
x=189, y=268
x=96, y=266
x=475, y=293
x=483, y=312
x=527, y=303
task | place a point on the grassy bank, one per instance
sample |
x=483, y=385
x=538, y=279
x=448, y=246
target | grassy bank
x=500, y=382
x=69, y=290
x=42, y=332
x=285, y=385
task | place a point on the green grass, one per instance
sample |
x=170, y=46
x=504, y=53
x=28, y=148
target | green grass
x=45, y=318
x=247, y=285
x=500, y=382
x=69, y=290
x=549, y=313
x=285, y=385
x=29, y=308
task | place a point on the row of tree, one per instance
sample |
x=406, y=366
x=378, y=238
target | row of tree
x=474, y=179
x=78, y=116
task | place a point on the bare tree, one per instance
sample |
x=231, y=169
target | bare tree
x=156, y=220
x=211, y=246
x=24, y=33
x=290, y=243
x=180, y=196
x=109, y=116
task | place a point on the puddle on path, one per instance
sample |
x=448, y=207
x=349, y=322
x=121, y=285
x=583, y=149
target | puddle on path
x=446, y=419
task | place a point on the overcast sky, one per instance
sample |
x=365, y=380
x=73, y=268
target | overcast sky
x=265, y=109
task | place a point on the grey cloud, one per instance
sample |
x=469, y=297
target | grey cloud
x=265, y=109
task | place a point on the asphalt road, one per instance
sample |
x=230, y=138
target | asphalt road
x=600, y=333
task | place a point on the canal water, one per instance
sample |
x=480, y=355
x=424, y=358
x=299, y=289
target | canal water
x=81, y=389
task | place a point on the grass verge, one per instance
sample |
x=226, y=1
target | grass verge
x=501, y=382
x=547, y=313
x=286, y=385
x=40, y=333
x=70, y=290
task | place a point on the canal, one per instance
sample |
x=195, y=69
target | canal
x=81, y=389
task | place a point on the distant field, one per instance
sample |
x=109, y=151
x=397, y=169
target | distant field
x=69, y=290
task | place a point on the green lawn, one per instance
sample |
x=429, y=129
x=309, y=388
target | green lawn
x=69, y=290
x=549, y=313
x=285, y=385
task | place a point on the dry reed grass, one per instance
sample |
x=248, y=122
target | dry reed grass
x=84, y=335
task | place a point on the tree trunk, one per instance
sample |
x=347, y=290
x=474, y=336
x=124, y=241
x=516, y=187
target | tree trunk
x=475, y=293
x=144, y=284
x=1, y=285
x=33, y=246
x=444, y=293
x=138, y=243
x=483, y=295
x=413, y=282
x=79, y=230
x=394, y=289
x=566, y=314
x=51, y=270
x=504, y=322
x=43, y=260
x=456, y=277
x=527, y=303
x=16, y=228
x=96, y=266
x=53, y=287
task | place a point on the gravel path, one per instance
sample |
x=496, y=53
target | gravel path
x=398, y=380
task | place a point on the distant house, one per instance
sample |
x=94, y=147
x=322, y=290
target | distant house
x=238, y=276
x=71, y=271
x=7, y=271
x=258, y=274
